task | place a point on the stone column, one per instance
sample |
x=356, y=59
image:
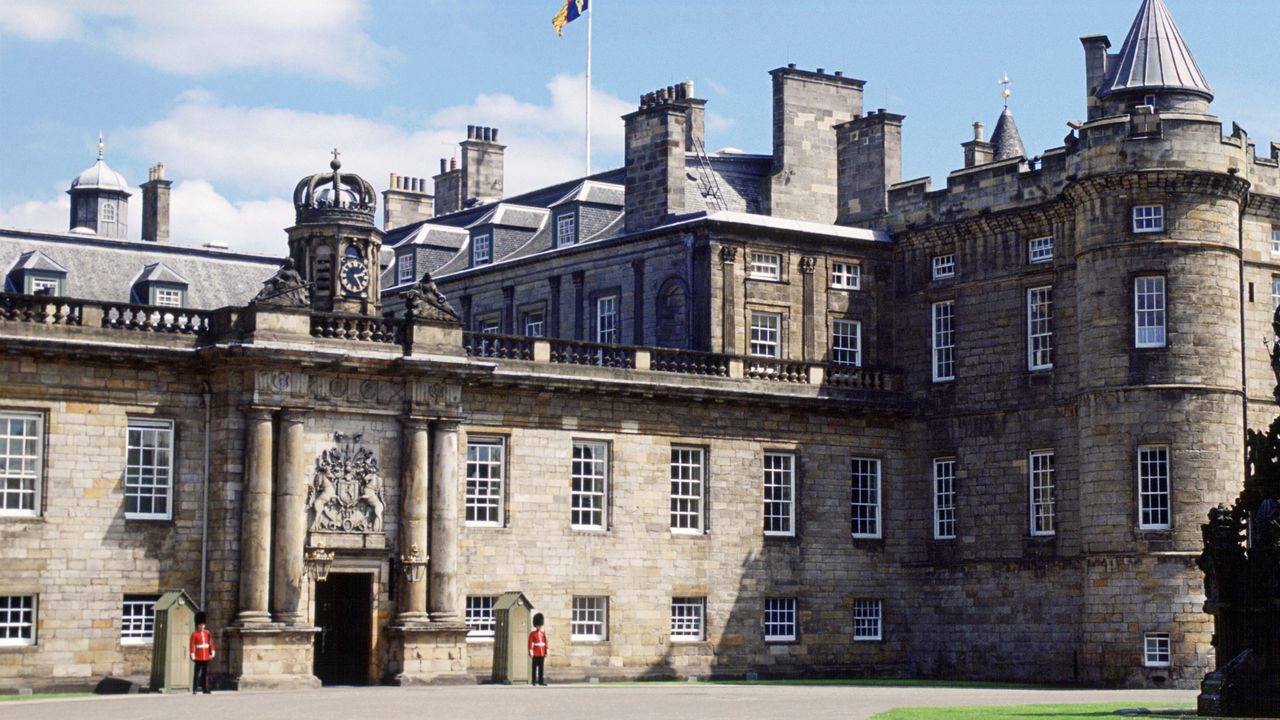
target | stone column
x=289, y=541
x=444, y=521
x=255, y=519
x=809, y=347
x=413, y=515
x=728, y=308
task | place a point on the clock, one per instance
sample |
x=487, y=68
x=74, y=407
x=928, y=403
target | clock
x=353, y=276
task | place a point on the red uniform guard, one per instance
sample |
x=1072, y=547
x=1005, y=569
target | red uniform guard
x=201, y=652
x=538, y=651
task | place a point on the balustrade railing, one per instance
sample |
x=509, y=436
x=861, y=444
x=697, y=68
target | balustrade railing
x=758, y=368
x=856, y=377
x=573, y=352
x=156, y=319
x=45, y=309
x=387, y=330
x=689, y=362
x=503, y=347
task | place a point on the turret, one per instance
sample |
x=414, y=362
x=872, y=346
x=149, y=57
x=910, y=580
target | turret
x=100, y=200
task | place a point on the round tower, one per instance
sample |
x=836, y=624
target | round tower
x=100, y=200
x=1156, y=199
x=335, y=244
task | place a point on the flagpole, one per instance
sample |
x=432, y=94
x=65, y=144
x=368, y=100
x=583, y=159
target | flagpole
x=590, y=13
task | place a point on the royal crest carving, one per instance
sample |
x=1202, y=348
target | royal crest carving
x=346, y=494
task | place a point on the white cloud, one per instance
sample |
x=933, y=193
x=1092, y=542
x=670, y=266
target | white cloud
x=199, y=215
x=319, y=39
x=46, y=215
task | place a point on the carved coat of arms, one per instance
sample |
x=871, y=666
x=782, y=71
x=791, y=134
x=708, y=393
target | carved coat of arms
x=346, y=494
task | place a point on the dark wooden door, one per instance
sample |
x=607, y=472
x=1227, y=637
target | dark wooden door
x=344, y=615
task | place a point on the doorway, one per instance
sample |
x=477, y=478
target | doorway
x=344, y=611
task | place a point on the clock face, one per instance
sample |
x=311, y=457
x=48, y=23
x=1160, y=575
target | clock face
x=354, y=277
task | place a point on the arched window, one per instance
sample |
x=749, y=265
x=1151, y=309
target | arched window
x=673, y=314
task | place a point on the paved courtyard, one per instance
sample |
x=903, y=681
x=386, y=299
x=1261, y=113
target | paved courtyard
x=616, y=702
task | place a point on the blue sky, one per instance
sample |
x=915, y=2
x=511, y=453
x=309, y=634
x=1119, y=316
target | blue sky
x=240, y=99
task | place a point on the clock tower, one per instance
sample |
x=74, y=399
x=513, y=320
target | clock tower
x=334, y=243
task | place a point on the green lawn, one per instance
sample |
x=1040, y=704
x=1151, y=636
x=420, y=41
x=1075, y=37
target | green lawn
x=1023, y=712
x=41, y=696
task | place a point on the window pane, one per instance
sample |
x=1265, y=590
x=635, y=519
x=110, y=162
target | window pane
x=686, y=488
x=866, y=497
x=1040, y=328
x=846, y=276
x=779, y=493
x=866, y=619
x=687, y=618
x=1153, y=487
x=944, y=498
x=485, y=467
x=765, y=331
x=1148, y=311
x=148, y=475
x=589, y=484
x=779, y=619
x=589, y=620
x=20, y=463
x=944, y=367
x=1040, y=469
x=17, y=619
x=846, y=342
x=480, y=617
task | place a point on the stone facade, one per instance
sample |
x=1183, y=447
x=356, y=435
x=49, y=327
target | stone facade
x=704, y=317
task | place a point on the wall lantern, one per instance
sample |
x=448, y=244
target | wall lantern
x=318, y=562
x=414, y=564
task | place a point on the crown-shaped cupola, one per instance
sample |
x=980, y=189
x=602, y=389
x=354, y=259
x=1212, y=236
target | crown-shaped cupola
x=335, y=245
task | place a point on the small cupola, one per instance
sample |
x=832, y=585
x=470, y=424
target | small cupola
x=100, y=200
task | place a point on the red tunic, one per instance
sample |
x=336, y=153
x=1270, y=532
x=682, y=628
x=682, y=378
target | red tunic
x=202, y=645
x=538, y=643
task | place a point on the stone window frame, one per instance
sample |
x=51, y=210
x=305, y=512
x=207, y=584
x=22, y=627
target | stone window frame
x=1042, y=493
x=579, y=494
x=137, y=618
x=945, y=520
x=143, y=481
x=688, y=619
x=404, y=268
x=1147, y=219
x=567, y=228
x=527, y=313
x=942, y=356
x=865, y=498
x=17, y=491
x=598, y=329
x=1144, y=317
x=780, y=480
x=1039, y=328
x=1275, y=239
x=838, y=351
x=780, y=330
x=19, y=620
x=1040, y=250
x=760, y=267
x=691, y=517
x=480, y=619
x=850, y=278
x=781, y=619
x=1157, y=649
x=868, y=620
x=1154, y=474
x=943, y=267
x=587, y=612
x=492, y=503
x=481, y=249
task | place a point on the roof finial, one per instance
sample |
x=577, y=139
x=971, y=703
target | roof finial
x=1006, y=82
x=335, y=163
x=101, y=145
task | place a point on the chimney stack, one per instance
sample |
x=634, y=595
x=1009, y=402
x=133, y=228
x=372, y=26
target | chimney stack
x=806, y=106
x=1095, y=71
x=978, y=151
x=658, y=134
x=155, y=206
x=482, y=166
x=869, y=157
x=406, y=201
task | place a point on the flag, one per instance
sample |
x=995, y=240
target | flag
x=571, y=11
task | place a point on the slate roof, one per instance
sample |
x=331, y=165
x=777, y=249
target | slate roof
x=1005, y=140
x=37, y=260
x=1154, y=57
x=159, y=272
x=510, y=215
x=592, y=191
x=105, y=270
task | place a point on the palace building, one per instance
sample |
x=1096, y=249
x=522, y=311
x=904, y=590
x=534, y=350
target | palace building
x=715, y=414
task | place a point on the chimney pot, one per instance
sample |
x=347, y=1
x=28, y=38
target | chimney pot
x=453, y=163
x=820, y=71
x=977, y=131
x=443, y=167
x=791, y=66
x=839, y=73
x=495, y=134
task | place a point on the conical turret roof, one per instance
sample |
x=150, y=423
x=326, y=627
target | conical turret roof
x=1005, y=140
x=1154, y=57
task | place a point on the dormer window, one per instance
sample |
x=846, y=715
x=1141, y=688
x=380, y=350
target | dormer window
x=1149, y=100
x=481, y=250
x=159, y=285
x=566, y=229
x=404, y=268
x=35, y=272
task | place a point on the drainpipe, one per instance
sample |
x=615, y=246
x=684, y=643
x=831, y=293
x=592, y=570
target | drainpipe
x=206, y=399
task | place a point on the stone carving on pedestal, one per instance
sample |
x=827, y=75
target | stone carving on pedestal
x=284, y=289
x=424, y=300
x=346, y=494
